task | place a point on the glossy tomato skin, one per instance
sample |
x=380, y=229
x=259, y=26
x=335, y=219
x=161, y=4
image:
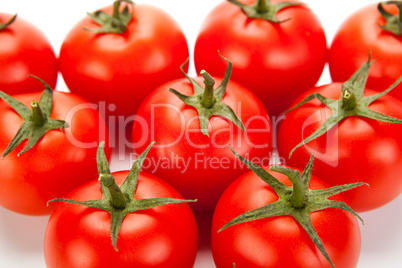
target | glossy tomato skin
x=276, y=61
x=356, y=150
x=58, y=163
x=198, y=166
x=279, y=241
x=25, y=50
x=122, y=69
x=360, y=34
x=164, y=236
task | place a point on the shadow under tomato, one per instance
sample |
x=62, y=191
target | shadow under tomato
x=204, y=221
x=20, y=233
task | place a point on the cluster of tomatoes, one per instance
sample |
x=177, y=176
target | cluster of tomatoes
x=199, y=137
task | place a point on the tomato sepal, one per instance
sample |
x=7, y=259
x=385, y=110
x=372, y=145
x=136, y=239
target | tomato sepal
x=207, y=101
x=36, y=121
x=264, y=9
x=8, y=23
x=351, y=103
x=393, y=22
x=297, y=201
x=115, y=23
x=119, y=201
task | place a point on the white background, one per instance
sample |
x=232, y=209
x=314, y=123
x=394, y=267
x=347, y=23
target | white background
x=21, y=237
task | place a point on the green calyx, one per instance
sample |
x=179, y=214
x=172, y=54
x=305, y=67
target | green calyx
x=8, y=23
x=37, y=121
x=208, y=101
x=264, y=9
x=297, y=201
x=117, y=200
x=393, y=22
x=352, y=103
x=115, y=23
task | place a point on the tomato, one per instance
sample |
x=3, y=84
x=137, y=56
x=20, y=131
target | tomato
x=277, y=61
x=279, y=241
x=357, y=149
x=24, y=50
x=159, y=236
x=50, y=168
x=200, y=166
x=122, y=69
x=360, y=33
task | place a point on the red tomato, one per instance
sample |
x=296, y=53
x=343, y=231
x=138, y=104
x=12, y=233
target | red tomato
x=58, y=163
x=279, y=241
x=355, y=150
x=25, y=50
x=276, y=61
x=198, y=166
x=122, y=69
x=164, y=236
x=359, y=34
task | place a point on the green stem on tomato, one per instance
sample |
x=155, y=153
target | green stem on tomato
x=208, y=96
x=264, y=9
x=351, y=103
x=118, y=199
x=116, y=22
x=299, y=195
x=262, y=6
x=116, y=9
x=37, y=115
x=207, y=101
x=37, y=120
x=348, y=98
x=8, y=23
x=393, y=23
x=297, y=201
